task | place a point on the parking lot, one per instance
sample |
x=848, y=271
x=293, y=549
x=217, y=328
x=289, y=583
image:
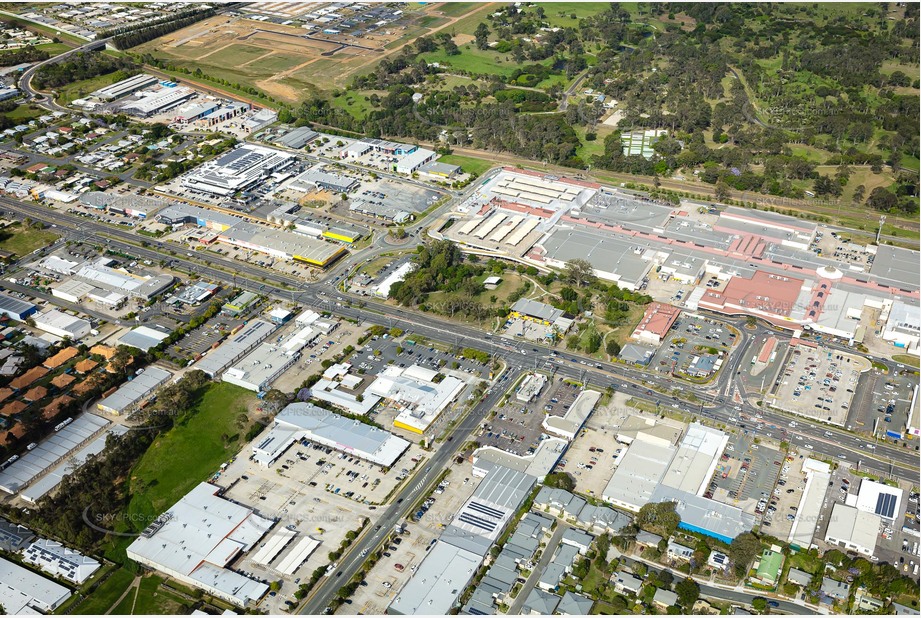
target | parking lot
x=818, y=384
x=883, y=403
x=692, y=337
x=310, y=491
x=516, y=428
x=784, y=500
x=407, y=550
x=746, y=474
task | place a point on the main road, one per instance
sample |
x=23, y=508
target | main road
x=404, y=501
x=711, y=402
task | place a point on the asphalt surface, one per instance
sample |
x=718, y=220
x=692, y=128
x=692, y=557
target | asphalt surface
x=419, y=486
x=715, y=401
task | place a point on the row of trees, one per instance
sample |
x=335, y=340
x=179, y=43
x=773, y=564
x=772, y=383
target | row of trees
x=128, y=37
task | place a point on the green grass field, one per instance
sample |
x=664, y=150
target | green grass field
x=188, y=453
x=151, y=600
x=468, y=164
x=24, y=113
x=23, y=241
x=560, y=14
x=105, y=595
x=54, y=49
x=479, y=61
x=354, y=103
x=81, y=88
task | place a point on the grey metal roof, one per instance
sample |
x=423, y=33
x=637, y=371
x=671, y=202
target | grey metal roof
x=533, y=308
x=505, y=487
x=574, y=605
x=234, y=347
x=897, y=265
x=134, y=390
x=721, y=520
x=540, y=602
x=799, y=577
x=49, y=452
x=298, y=138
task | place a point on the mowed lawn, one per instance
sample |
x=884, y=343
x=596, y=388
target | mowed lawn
x=22, y=241
x=479, y=61
x=470, y=165
x=106, y=594
x=188, y=453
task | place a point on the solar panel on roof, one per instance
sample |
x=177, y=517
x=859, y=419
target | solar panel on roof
x=885, y=505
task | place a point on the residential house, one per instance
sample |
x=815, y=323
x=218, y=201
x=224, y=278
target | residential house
x=665, y=598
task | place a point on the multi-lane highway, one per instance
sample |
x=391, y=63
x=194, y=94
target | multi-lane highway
x=713, y=401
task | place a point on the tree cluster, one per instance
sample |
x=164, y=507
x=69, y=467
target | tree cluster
x=80, y=66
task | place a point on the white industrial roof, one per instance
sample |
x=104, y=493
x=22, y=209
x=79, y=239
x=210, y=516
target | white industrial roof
x=24, y=592
x=316, y=424
x=134, y=390
x=34, y=492
x=639, y=472
x=437, y=583
x=201, y=535
x=56, y=559
x=694, y=462
x=144, y=337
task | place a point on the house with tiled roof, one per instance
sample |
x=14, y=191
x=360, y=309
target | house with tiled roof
x=56, y=405
x=107, y=352
x=12, y=408
x=86, y=365
x=14, y=433
x=5, y=393
x=82, y=388
x=26, y=379
x=62, y=381
x=61, y=357
x=35, y=393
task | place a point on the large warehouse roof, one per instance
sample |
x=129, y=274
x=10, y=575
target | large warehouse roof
x=435, y=587
x=305, y=420
x=639, y=472
x=282, y=243
x=34, y=492
x=234, y=347
x=694, y=462
x=144, y=337
x=237, y=170
x=879, y=499
x=25, y=592
x=854, y=528
x=197, y=537
x=14, y=307
x=709, y=517
x=49, y=451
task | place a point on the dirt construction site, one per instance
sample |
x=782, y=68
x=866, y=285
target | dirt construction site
x=287, y=62
x=278, y=59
